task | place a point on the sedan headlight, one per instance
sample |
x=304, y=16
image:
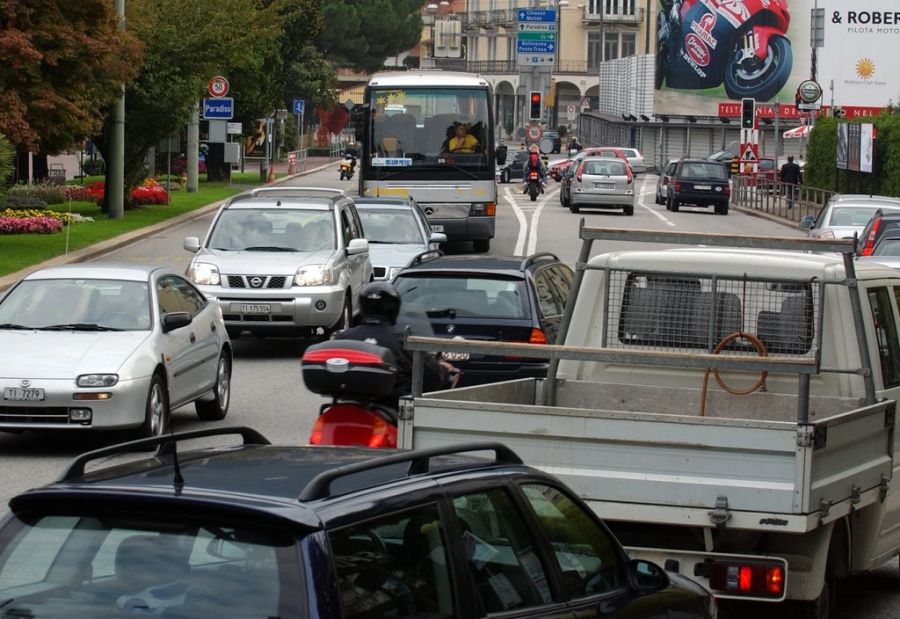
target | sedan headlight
x=313, y=275
x=97, y=380
x=204, y=274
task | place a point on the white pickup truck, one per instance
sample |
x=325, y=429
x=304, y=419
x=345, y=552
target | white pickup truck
x=727, y=409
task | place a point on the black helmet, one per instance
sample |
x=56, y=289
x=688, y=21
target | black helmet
x=379, y=299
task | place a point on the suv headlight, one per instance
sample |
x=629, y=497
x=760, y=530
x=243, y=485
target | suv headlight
x=204, y=274
x=97, y=380
x=313, y=275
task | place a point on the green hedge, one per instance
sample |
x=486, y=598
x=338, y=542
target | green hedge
x=821, y=171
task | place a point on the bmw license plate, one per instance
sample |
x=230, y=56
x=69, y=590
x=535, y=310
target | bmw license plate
x=255, y=308
x=703, y=187
x=455, y=356
x=437, y=228
x=23, y=393
x=604, y=185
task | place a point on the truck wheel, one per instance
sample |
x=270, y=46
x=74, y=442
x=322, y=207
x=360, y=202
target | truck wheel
x=481, y=246
x=823, y=607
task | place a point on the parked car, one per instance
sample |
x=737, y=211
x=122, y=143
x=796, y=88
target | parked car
x=557, y=141
x=286, y=261
x=489, y=298
x=845, y=215
x=397, y=231
x=699, y=182
x=109, y=347
x=602, y=182
x=662, y=182
x=260, y=530
x=513, y=168
x=882, y=223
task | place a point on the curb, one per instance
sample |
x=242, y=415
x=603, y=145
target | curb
x=104, y=247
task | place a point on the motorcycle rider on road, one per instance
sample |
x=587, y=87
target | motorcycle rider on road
x=351, y=153
x=534, y=164
x=380, y=305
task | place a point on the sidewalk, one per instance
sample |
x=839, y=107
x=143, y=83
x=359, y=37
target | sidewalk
x=313, y=164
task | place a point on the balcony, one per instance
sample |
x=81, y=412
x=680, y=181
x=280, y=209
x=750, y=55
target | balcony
x=488, y=20
x=591, y=17
x=506, y=66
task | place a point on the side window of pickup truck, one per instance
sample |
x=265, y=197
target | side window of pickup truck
x=886, y=337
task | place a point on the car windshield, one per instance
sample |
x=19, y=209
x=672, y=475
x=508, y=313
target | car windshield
x=397, y=226
x=273, y=230
x=82, y=304
x=111, y=565
x=697, y=169
x=604, y=168
x=462, y=296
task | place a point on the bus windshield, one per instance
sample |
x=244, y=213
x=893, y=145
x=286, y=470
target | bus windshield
x=429, y=128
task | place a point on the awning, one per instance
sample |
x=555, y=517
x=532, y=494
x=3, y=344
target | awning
x=797, y=132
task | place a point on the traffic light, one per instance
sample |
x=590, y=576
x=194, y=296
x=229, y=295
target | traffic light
x=748, y=113
x=535, y=109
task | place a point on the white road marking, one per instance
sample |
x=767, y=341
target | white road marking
x=523, y=223
x=535, y=220
x=527, y=225
x=653, y=211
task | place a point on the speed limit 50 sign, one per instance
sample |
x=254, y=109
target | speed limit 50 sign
x=218, y=86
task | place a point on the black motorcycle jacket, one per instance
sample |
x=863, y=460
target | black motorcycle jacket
x=378, y=330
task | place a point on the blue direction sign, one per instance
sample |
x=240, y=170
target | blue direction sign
x=298, y=106
x=537, y=15
x=219, y=108
x=535, y=47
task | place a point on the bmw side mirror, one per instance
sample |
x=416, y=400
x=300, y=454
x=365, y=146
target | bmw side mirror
x=501, y=154
x=807, y=222
x=175, y=320
x=437, y=237
x=191, y=244
x=357, y=246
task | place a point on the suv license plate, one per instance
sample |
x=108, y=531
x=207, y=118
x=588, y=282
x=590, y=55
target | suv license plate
x=455, y=356
x=255, y=308
x=604, y=185
x=703, y=187
x=23, y=393
x=437, y=228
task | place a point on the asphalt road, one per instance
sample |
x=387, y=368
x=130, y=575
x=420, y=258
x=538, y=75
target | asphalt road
x=267, y=388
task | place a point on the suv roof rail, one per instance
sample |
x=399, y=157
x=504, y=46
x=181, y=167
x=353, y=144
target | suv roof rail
x=423, y=257
x=263, y=191
x=535, y=257
x=319, y=487
x=166, y=444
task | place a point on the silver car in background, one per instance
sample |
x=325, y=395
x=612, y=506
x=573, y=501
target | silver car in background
x=602, y=182
x=110, y=347
x=397, y=231
x=846, y=215
x=635, y=160
x=285, y=261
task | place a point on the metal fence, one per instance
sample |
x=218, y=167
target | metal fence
x=791, y=202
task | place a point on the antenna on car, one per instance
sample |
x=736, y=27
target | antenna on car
x=178, y=479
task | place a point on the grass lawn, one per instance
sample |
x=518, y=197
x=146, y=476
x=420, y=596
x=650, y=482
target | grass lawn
x=18, y=251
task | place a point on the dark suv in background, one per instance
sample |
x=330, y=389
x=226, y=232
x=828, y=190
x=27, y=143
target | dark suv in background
x=699, y=182
x=259, y=530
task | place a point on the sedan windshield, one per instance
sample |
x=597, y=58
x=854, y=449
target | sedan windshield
x=461, y=296
x=77, y=304
x=394, y=226
x=273, y=230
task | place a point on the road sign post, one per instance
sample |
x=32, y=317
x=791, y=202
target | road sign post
x=299, y=108
x=218, y=108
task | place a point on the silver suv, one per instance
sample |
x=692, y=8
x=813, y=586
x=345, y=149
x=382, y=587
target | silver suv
x=283, y=261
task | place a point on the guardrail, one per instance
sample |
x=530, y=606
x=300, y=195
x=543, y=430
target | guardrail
x=785, y=200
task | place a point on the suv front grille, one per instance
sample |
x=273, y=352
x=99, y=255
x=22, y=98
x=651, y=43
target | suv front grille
x=256, y=281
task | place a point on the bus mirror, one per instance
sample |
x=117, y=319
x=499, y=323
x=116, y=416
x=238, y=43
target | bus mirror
x=501, y=154
x=359, y=115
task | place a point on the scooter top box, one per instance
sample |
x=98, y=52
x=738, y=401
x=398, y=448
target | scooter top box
x=349, y=368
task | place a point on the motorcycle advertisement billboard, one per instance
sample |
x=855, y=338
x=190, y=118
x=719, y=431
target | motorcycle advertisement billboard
x=714, y=51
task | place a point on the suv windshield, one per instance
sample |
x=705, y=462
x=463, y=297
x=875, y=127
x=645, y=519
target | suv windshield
x=463, y=296
x=390, y=226
x=273, y=230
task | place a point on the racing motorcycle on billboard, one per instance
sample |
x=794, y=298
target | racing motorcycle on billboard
x=739, y=43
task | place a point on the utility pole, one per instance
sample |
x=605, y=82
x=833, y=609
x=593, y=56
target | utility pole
x=193, y=148
x=117, y=141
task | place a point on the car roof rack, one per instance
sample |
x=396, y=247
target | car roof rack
x=319, y=487
x=288, y=191
x=535, y=257
x=166, y=444
x=423, y=257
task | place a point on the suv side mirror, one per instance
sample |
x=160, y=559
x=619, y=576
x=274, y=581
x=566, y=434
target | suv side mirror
x=191, y=244
x=175, y=320
x=807, y=222
x=501, y=154
x=357, y=246
x=437, y=237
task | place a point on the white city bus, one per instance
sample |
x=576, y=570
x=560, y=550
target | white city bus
x=430, y=135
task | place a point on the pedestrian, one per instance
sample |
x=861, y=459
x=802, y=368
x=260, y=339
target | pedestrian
x=792, y=176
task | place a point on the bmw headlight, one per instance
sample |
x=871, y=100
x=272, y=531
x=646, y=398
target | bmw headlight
x=97, y=380
x=313, y=275
x=204, y=274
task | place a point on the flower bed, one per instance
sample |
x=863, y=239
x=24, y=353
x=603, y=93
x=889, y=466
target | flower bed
x=30, y=225
x=149, y=192
x=66, y=218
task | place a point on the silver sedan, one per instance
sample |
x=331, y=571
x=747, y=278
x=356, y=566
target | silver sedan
x=110, y=347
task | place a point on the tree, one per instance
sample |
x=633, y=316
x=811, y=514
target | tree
x=363, y=33
x=61, y=65
x=6, y=162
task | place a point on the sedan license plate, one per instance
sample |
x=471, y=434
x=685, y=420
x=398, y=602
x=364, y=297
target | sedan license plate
x=437, y=228
x=455, y=356
x=703, y=187
x=23, y=393
x=604, y=185
x=255, y=308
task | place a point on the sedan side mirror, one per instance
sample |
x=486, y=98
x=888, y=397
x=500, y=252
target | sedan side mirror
x=175, y=320
x=437, y=237
x=357, y=246
x=501, y=154
x=807, y=222
x=191, y=244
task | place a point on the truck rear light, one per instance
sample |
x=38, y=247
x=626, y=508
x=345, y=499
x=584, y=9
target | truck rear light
x=750, y=578
x=870, y=240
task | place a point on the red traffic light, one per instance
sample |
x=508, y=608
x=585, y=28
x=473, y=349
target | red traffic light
x=535, y=97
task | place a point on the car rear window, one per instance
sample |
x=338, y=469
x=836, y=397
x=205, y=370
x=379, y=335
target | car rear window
x=464, y=296
x=852, y=215
x=604, y=168
x=631, y=152
x=394, y=226
x=887, y=247
x=696, y=169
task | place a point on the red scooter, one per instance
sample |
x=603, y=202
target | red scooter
x=741, y=43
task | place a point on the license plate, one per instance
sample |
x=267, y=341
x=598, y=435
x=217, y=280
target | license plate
x=437, y=228
x=455, y=356
x=23, y=393
x=255, y=308
x=604, y=185
x=703, y=187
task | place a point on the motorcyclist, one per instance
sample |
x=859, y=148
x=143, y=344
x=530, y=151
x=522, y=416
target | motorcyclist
x=534, y=163
x=380, y=305
x=351, y=153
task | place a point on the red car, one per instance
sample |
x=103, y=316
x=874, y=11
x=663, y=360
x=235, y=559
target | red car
x=557, y=168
